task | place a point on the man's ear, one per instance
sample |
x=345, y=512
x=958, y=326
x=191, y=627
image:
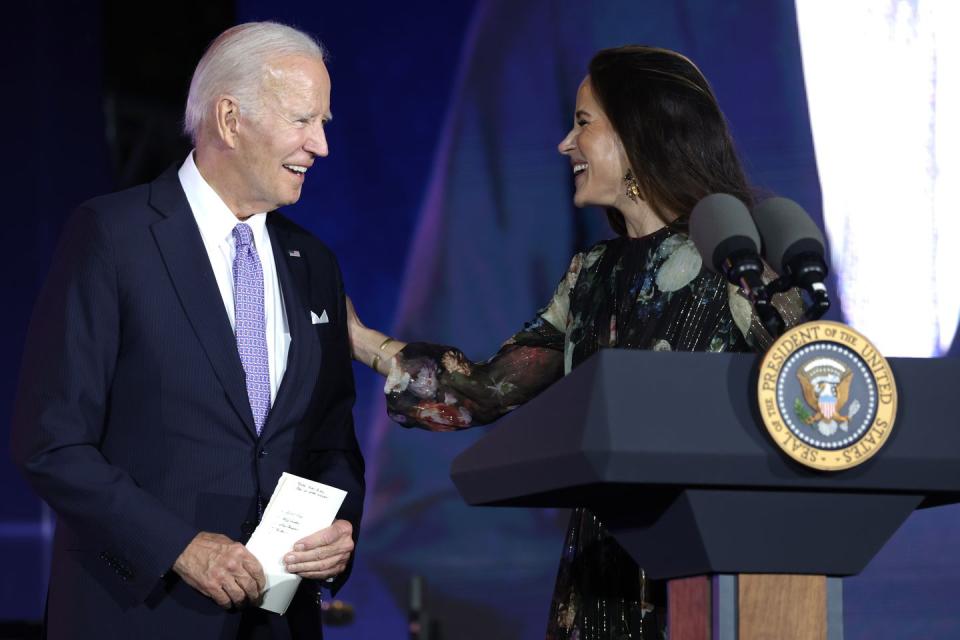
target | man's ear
x=228, y=120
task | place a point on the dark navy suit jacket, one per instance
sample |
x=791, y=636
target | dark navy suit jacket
x=132, y=419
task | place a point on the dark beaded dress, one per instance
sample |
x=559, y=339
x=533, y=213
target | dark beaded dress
x=630, y=293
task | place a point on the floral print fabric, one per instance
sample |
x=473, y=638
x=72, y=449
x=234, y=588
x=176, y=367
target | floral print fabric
x=636, y=293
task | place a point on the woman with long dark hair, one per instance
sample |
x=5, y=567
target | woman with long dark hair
x=647, y=143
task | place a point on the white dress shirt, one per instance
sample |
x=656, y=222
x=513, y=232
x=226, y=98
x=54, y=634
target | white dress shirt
x=216, y=223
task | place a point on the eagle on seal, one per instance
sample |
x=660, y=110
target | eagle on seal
x=826, y=389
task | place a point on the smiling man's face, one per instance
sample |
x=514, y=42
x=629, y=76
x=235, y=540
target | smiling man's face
x=277, y=146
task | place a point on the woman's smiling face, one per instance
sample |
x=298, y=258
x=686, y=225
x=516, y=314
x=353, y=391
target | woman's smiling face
x=596, y=154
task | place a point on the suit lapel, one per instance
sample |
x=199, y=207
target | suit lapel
x=185, y=256
x=303, y=359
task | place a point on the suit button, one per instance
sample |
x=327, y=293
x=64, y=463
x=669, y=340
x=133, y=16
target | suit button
x=247, y=527
x=262, y=453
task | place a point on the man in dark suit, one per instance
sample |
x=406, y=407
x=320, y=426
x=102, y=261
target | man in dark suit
x=189, y=346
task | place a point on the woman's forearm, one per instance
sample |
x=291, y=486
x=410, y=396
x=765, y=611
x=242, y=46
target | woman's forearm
x=374, y=348
x=369, y=346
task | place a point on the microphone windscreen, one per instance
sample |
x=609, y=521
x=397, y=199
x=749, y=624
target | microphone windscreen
x=787, y=231
x=720, y=225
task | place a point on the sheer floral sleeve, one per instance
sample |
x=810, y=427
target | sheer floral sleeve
x=437, y=387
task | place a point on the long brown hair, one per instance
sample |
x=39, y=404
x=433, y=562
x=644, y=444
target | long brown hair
x=675, y=137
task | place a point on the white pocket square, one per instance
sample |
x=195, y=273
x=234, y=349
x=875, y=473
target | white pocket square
x=321, y=319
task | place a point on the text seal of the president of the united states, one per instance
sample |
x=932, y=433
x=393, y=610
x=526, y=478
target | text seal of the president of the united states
x=827, y=396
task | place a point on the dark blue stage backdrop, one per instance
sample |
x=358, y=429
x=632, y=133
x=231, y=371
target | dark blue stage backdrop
x=450, y=210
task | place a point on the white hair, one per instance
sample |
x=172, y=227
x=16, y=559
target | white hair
x=234, y=64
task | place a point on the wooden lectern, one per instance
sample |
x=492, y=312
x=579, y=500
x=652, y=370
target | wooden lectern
x=669, y=451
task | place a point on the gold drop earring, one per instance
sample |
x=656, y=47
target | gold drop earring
x=632, y=188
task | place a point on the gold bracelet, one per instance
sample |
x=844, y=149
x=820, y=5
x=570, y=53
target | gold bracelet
x=376, y=357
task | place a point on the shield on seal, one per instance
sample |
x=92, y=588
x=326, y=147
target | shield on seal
x=827, y=405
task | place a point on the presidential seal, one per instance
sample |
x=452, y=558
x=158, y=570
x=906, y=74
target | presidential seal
x=826, y=395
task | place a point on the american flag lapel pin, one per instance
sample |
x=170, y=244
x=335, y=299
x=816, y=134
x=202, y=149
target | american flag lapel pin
x=293, y=253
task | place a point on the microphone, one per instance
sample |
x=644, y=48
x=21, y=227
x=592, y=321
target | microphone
x=727, y=238
x=794, y=247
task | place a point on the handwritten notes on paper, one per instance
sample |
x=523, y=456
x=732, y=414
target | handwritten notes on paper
x=297, y=508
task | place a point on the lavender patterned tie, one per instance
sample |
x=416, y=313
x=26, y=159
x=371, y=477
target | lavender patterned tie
x=251, y=323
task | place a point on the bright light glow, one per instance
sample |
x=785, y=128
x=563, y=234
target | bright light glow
x=883, y=89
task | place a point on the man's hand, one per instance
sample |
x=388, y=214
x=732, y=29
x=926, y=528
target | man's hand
x=323, y=554
x=222, y=569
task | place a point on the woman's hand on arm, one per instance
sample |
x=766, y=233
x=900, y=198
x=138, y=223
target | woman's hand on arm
x=369, y=346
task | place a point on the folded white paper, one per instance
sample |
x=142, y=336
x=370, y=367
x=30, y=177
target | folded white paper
x=297, y=508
